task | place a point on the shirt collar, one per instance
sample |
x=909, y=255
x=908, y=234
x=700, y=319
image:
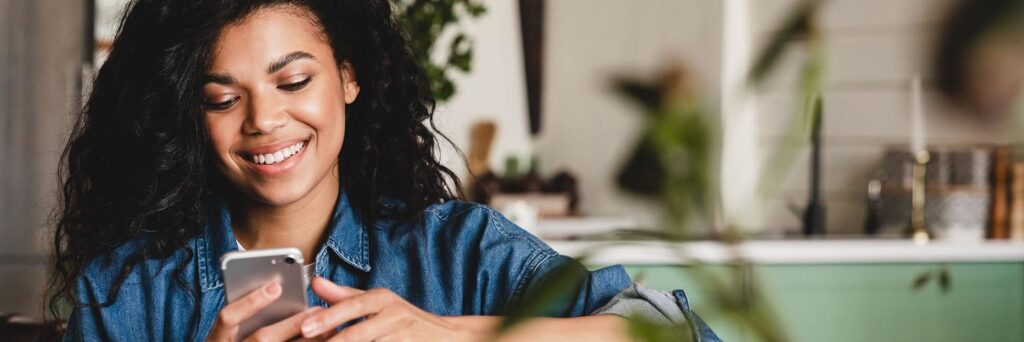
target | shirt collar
x=348, y=239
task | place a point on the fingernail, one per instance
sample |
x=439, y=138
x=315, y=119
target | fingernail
x=273, y=289
x=309, y=327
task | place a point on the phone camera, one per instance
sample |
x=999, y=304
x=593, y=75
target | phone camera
x=289, y=260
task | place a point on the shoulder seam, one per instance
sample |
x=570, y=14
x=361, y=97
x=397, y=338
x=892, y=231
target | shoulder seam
x=441, y=215
x=531, y=268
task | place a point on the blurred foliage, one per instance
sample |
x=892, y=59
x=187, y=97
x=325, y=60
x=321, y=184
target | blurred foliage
x=802, y=126
x=798, y=30
x=425, y=21
x=672, y=161
x=672, y=157
x=798, y=25
x=556, y=289
x=941, y=276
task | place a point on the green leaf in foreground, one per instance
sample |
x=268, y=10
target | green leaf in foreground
x=797, y=24
x=550, y=293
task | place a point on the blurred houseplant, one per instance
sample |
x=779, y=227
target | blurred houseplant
x=426, y=21
x=978, y=65
x=672, y=162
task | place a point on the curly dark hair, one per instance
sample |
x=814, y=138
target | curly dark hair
x=138, y=163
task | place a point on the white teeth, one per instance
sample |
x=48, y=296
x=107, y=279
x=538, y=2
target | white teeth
x=277, y=157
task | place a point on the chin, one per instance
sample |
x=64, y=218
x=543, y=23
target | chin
x=279, y=195
x=276, y=195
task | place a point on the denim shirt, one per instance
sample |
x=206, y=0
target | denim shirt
x=461, y=259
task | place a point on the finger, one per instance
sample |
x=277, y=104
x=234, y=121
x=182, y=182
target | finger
x=235, y=312
x=331, y=292
x=222, y=334
x=368, y=303
x=285, y=329
x=375, y=328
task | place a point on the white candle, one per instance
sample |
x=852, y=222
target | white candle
x=917, y=133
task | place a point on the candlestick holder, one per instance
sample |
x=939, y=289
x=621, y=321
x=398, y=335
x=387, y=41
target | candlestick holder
x=918, y=226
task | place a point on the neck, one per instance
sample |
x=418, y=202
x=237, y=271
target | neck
x=302, y=224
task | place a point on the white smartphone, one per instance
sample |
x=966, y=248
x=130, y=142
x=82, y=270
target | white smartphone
x=247, y=271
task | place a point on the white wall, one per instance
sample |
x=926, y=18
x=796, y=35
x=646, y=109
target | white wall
x=588, y=128
x=874, y=47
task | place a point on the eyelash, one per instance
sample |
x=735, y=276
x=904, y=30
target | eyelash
x=221, y=105
x=290, y=87
x=295, y=86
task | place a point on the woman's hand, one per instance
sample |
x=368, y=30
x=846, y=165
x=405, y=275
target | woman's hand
x=232, y=315
x=388, y=317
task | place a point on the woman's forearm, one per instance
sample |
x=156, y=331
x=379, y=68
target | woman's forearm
x=587, y=328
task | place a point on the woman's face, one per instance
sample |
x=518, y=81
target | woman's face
x=275, y=106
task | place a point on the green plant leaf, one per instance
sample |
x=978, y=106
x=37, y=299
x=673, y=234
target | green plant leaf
x=461, y=53
x=549, y=293
x=945, y=280
x=645, y=94
x=921, y=280
x=475, y=9
x=424, y=21
x=796, y=25
x=643, y=173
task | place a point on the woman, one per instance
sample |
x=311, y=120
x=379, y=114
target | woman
x=221, y=125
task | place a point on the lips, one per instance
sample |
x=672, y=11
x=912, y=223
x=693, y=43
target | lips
x=277, y=158
x=279, y=155
x=273, y=147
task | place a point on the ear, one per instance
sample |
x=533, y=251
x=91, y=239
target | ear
x=350, y=86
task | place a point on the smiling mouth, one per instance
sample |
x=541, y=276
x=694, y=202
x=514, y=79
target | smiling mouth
x=278, y=156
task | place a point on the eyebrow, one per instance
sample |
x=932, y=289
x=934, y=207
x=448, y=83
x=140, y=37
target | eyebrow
x=276, y=66
x=280, y=63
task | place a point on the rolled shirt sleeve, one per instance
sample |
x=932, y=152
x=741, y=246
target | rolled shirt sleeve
x=637, y=301
x=610, y=291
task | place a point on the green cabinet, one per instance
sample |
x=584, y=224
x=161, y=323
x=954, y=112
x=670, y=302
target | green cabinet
x=861, y=302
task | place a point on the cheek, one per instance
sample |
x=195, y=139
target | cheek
x=221, y=134
x=324, y=111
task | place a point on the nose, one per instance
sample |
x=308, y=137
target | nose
x=266, y=114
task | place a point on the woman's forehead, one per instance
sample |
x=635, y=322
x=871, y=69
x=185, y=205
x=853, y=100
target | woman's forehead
x=266, y=35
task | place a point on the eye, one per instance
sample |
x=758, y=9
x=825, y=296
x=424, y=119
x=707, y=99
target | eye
x=221, y=105
x=295, y=86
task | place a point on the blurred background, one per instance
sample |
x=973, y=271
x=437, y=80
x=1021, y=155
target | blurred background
x=553, y=101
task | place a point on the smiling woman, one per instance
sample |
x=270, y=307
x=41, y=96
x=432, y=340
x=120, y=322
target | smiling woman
x=220, y=125
x=276, y=93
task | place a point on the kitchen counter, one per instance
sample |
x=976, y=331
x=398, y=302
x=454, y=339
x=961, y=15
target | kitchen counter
x=805, y=251
x=839, y=288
